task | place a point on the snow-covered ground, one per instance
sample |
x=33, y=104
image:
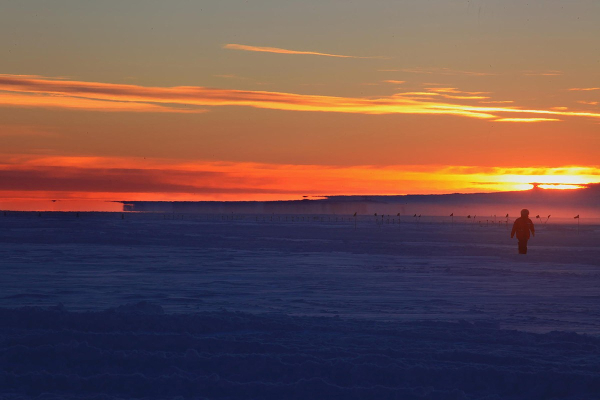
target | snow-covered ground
x=264, y=307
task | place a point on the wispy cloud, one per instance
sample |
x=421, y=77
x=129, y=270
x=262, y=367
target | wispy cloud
x=526, y=120
x=28, y=99
x=276, y=50
x=41, y=92
x=589, y=103
x=452, y=90
x=394, y=81
x=459, y=97
x=585, y=89
x=454, y=93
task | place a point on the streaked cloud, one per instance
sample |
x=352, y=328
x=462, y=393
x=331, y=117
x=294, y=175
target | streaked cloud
x=394, y=81
x=454, y=93
x=585, y=89
x=526, y=120
x=452, y=90
x=459, y=97
x=276, y=50
x=37, y=92
x=32, y=99
x=589, y=103
x=421, y=94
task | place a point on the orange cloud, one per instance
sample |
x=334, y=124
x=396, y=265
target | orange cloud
x=78, y=103
x=276, y=50
x=452, y=90
x=589, y=103
x=526, y=120
x=35, y=92
x=426, y=94
x=454, y=93
x=586, y=89
x=394, y=82
x=459, y=97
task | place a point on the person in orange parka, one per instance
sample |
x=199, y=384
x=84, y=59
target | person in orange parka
x=521, y=227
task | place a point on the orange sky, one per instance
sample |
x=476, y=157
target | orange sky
x=115, y=101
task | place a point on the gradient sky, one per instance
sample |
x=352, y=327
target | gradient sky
x=255, y=100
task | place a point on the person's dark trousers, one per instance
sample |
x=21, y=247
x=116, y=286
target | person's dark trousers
x=522, y=246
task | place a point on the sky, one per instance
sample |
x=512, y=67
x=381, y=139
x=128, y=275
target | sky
x=275, y=100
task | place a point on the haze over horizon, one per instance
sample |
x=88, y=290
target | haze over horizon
x=231, y=100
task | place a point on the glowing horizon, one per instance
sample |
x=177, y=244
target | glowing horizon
x=97, y=179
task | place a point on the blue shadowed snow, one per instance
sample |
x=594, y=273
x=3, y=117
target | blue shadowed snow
x=129, y=353
x=245, y=309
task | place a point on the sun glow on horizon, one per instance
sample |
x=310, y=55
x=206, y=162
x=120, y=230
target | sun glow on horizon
x=25, y=178
x=561, y=186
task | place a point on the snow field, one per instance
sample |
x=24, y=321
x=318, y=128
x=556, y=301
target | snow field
x=244, y=309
